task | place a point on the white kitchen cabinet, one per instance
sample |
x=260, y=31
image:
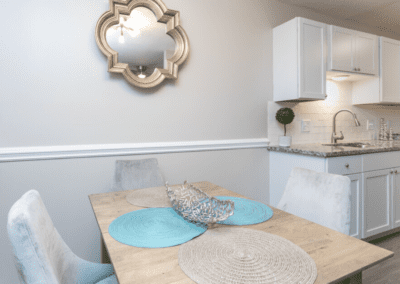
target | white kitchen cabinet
x=281, y=164
x=377, y=202
x=356, y=208
x=299, y=60
x=341, y=55
x=375, y=186
x=367, y=53
x=395, y=198
x=390, y=71
x=352, y=51
x=386, y=88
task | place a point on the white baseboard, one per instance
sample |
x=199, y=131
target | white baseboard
x=106, y=150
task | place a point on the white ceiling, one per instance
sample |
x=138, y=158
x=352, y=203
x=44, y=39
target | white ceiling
x=381, y=14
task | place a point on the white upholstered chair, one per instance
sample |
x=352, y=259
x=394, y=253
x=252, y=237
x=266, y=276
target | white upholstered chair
x=41, y=255
x=135, y=174
x=318, y=197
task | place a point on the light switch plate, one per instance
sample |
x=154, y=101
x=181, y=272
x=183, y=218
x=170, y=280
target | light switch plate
x=305, y=125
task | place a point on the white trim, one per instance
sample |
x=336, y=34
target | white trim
x=105, y=150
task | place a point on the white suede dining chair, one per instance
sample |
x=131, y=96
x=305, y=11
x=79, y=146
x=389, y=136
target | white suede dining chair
x=41, y=255
x=318, y=197
x=135, y=174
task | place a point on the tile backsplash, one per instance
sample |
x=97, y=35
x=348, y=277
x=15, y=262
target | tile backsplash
x=321, y=113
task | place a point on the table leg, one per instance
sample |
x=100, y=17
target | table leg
x=104, y=257
x=355, y=279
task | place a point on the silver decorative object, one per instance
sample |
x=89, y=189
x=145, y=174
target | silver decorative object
x=197, y=206
x=382, y=130
x=385, y=132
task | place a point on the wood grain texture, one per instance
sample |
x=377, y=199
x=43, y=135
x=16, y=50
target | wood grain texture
x=338, y=257
x=173, y=28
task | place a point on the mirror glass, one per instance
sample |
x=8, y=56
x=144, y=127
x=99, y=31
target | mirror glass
x=141, y=42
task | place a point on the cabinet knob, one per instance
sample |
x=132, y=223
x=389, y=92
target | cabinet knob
x=395, y=171
x=359, y=69
x=347, y=165
x=355, y=69
x=391, y=172
x=326, y=96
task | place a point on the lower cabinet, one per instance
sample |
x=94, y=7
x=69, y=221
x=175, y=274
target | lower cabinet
x=375, y=186
x=377, y=202
x=395, y=198
x=355, y=207
x=381, y=202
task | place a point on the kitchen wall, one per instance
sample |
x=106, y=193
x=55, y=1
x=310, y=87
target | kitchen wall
x=321, y=113
x=55, y=90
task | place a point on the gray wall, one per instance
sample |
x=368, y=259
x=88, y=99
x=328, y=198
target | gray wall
x=55, y=90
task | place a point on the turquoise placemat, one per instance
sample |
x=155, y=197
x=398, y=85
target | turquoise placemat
x=154, y=228
x=247, y=212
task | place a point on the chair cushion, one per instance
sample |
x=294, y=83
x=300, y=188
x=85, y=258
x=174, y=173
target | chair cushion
x=318, y=197
x=109, y=280
x=40, y=254
x=91, y=272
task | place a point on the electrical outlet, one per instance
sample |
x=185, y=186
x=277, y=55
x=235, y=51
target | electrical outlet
x=370, y=125
x=305, y=125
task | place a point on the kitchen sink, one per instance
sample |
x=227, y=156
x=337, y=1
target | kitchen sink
x=353, y=144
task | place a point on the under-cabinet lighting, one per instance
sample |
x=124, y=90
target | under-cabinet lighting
x=340, y=78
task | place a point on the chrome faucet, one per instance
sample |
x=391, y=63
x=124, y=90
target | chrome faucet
x=335, y=137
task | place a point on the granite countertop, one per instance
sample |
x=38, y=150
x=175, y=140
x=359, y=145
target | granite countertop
x=318, y=150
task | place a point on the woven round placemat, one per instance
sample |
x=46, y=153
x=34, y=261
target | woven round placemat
x=247, y=212
x=149, y=197
x=154, y=228
x=238, y=255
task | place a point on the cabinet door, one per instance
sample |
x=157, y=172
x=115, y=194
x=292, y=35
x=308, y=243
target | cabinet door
x=367, y=56
x=390, y=70
x=341, y=49
x=312, y=59
x=355, y=206
x=376, y=202
x=396, y=197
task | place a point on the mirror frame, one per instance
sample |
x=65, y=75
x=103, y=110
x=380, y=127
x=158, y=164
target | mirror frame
x=163, y=15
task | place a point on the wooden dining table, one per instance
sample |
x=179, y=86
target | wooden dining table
x=339, y=258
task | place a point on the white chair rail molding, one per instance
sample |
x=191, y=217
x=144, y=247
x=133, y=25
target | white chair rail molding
x=82, y=151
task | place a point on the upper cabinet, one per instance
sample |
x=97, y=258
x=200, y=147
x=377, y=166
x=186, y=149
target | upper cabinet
x=352, y=51
x=390, y=71
x=384, y=89
x=299, y=60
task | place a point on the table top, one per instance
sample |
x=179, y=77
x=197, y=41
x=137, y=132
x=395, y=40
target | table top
x=336, y=255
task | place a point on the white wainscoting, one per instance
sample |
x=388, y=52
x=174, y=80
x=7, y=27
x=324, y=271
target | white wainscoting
x=104, y=150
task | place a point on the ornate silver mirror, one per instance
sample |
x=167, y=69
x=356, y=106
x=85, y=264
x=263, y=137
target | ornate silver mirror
x=142, y=40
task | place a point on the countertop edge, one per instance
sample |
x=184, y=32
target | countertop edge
x=320, y=154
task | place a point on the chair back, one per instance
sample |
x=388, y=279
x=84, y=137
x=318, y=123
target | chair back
x=40, y=253
x=318, y=197
x=135, y=174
